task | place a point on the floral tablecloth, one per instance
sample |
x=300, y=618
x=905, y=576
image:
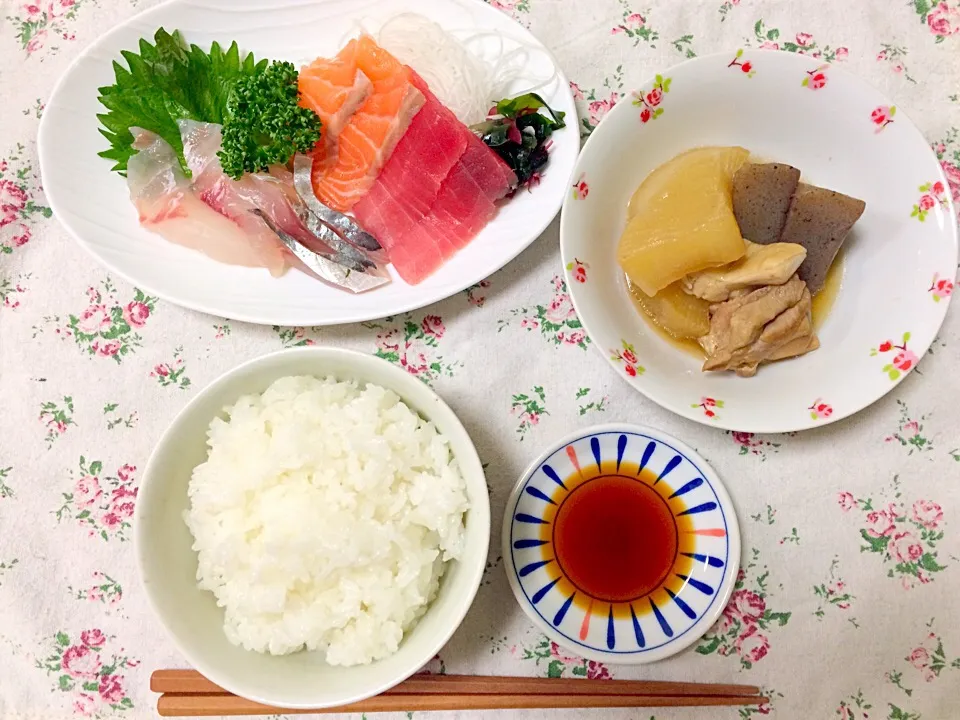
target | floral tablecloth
x=848, y=598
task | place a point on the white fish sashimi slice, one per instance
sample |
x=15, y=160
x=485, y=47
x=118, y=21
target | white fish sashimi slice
x=235, y=200
x=264, y=206
x=168, y=206
x=271, y=193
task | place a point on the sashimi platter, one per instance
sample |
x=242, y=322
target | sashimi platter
x=348, y=162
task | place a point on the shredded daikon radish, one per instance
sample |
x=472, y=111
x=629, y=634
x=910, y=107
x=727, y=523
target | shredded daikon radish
x=465, y=79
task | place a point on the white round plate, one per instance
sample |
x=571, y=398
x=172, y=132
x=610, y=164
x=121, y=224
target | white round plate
x=900, y=260
x=92, y=202
x=689, y=596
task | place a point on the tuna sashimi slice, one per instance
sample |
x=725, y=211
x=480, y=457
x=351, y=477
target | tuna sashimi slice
x=423, y=158
x=489, y=171
x=461, y=211
x=436, y=193
x=383, y=216
x=333, y=89
x=370, y=137
x=410, y=182
x=414, y=252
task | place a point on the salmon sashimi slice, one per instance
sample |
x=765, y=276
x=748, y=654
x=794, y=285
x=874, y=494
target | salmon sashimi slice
x=367, y=141
x=333, y=89
x=169, y=207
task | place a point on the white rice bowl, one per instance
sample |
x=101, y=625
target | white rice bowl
x=324, y=517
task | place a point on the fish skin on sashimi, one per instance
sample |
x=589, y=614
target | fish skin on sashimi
x=367, y=141
x=271, y=193
x=168, y=206
x=334, y=89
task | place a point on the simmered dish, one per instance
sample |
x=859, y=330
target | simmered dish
x=730, y=254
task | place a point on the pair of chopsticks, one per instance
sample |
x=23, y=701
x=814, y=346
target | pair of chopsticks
x=188, y=693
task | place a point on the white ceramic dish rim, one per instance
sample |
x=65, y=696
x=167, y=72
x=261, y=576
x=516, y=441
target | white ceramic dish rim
x=723, y=594
x=344, y=317
x=679, y=408
x=479, y=513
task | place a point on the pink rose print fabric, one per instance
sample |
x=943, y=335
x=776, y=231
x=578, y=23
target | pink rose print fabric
x=849, y=533
x=744, y=629
x=906, y=538
x=90, y=673
x=102, y=504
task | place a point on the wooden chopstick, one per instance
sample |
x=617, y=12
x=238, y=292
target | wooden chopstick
x=188, y=693
x=190, y=682
x=207, y=705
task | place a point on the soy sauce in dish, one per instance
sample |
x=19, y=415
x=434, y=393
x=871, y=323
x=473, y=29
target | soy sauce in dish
x=615, y=537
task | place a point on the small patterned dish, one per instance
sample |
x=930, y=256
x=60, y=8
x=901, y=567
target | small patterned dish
x=621, y=544
x=899, y=263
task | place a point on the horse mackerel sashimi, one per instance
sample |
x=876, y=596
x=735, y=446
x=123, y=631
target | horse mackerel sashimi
x=272, y=193
x=436, y=193
x=366, y=142
x=168, y=206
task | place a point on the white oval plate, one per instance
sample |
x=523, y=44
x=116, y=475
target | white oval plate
x=691, y=594
x=785, y=108
x=92, y=202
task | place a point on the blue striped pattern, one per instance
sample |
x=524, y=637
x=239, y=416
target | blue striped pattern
x=708, y=559
x=539, y=494
x=664, y=625
x=611, y=634
x=674, y=461
x=638, y=633
x=552, y=474
x=687, y=610
x=521, y=544
x=647, y=454
x=701, y=586
x=705, y=507
x=595, y=446
x=542, y=592
x=527, y=569
x=621, y=448
x=692, y=485
x=558, y=618
x=524, y=518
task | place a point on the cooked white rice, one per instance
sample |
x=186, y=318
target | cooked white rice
x=323, y=518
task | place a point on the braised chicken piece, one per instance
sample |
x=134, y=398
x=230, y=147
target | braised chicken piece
x=761, y=265
x=770, y=323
